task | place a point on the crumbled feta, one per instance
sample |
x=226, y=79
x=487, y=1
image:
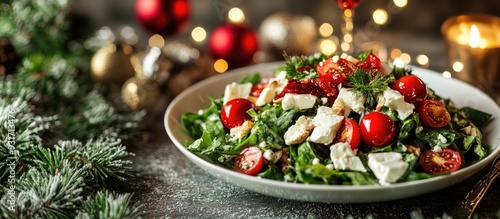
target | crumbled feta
x=315, y=161
x=335, y=58
x=351, y=100
x=352, y=59
x=349, y=163
x=442, y=139
x=298, y=132
x=469, y=130
x=344, y=158
x=388, y=167
x=326, y=124
x=300, y=101
x=235, y=90
x=437, y=149
x=419, y=129
x=396, y=101
x=269, y=155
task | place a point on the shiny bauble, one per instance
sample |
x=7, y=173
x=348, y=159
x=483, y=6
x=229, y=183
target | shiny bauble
x=111, y=64
x=290, y=33
x=9, y=60
x=163, y=17
x=235, y=43
x=140, y=93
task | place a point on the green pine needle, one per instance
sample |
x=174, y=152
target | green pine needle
x=109, y=205
x=298, y=62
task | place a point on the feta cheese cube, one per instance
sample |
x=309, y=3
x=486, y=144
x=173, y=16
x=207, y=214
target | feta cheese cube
x=388, y=167
x=281, y=81
x=344, y=158
x=300, y=101
x=352, y=100
x=298, y=132
x=396, y=101
x=349, y=163
x=235, y=90
x=326, y=124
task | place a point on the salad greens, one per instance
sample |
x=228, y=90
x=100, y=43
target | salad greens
x=310, y=162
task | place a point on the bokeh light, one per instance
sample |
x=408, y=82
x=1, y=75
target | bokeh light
x=395, y=53
x=380, y=16
x=328, y=47
x=400, y=3
x=458, y=66
x=422, y=60
x=220, y=66
x=199, y=34
x=446, y=74
x=236, y=15
x=406, y=58
x=325, y=30
x=156, y=41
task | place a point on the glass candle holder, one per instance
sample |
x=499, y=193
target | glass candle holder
x=473, y=49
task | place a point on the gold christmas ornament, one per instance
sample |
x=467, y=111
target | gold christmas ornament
x=111, y=64
x=284, y=32
x=140, y=93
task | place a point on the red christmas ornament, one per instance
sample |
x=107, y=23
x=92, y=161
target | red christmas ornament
x=235, y=43
x=164, y=17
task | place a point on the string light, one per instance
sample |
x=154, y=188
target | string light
x=395, y=53
x=423, y=60
x=406, y=58
x=328, y=47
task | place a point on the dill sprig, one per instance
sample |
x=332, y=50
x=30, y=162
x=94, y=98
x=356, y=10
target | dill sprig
x=301, y=66
x=369, y=85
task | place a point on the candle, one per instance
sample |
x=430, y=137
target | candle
x=473, y=46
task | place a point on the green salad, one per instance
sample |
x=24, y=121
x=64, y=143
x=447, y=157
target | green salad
x=340, y=120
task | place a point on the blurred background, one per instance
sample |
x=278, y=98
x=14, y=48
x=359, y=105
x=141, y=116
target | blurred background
x=396, y=29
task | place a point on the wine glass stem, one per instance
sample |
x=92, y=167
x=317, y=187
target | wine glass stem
x=347, y=27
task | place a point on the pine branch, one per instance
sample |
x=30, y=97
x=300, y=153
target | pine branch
x=301, y=66
x=369, y=85
x=109, y=205
x=41, y=194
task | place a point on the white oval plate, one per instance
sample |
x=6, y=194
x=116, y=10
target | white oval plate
x=195, y=98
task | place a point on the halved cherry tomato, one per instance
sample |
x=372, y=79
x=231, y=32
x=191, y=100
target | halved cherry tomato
x=412, y=88
x=377, y=129
x=335, y=71
x=371, y=64
x=349, y=133
x=234, y=112
x=445, y=161
x=249, y=161
x=433, y=113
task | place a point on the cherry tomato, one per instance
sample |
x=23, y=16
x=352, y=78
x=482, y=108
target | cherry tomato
x=445, y=161
x=377, y=129
x=371, y=64
x=433, y=113
x=349, y=133
x=234, y=112
x=335, y=71
x=412, y=88
x=257, y=89
x=249, y=161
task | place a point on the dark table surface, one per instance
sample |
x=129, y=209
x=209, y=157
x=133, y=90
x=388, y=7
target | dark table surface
x=168, y=185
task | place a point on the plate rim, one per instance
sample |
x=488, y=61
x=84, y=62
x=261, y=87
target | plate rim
x=453, y=178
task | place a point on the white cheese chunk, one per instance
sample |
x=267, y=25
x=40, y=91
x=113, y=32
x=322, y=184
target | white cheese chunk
x=326, y=124
x=235, y=90
x=396, y=101
x=352, y=100
x=300, y=101
x=388, y=167
x=386, y=68
x=349, y=163
x=298, y=132
x=344, y=158
x=340, y=150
